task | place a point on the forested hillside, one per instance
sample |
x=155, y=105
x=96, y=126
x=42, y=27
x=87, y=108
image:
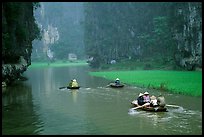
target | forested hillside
x=62, y=31
x=166, y=32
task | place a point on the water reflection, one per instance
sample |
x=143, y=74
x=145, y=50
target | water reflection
x=18, y=111
x=93, y=109
x=74, y=95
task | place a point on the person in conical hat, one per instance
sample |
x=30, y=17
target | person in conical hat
x=140, y=99
x=153, y=97
x=146, y=97
x=117, y=81
x=74, y=83
x=153, y=101
x=141, y=94
x=146, y=93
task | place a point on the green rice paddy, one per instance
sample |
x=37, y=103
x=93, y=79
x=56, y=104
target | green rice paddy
x=182, y=82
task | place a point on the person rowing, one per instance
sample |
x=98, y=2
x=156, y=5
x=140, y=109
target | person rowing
x=161, y=101
x=117, y=81
x=73, y=83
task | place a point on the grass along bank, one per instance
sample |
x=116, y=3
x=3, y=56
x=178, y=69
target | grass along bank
x=182, y=82
x=57, y=64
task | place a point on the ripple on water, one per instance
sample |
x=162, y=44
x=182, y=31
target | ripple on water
x=178, y=110
x=133, y=112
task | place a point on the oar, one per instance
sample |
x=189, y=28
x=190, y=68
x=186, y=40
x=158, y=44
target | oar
x=62, y=87
x=146, y=104
x=116, y=85
x=108, y=85
x=134, y=102
x=172, y=106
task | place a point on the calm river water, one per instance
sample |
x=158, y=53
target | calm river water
x=38, y=106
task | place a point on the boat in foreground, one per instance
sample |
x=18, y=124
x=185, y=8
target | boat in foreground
x=148, y=108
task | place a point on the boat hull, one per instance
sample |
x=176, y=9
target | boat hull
x=116, y=86
x=151, y=109
x=73, y=87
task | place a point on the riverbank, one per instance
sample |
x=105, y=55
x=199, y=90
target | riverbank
x=181, y=82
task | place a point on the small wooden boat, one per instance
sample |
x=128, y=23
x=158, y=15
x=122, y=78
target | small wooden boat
x=148, y=108
x=116, y=86
x=73, y=87
x=154, y=109
x=67, y=87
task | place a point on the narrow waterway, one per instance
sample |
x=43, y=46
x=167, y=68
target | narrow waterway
x=38, y=106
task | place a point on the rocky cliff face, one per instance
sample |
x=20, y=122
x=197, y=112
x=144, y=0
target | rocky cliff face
x=11, y=72
x=18, y=31
x=189, y=38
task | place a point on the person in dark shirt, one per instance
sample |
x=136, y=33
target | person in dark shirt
x=117, y=81
x=140, y=99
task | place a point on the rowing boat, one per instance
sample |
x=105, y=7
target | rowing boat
x=148, y=108
x=73, y=87
x=116, y=86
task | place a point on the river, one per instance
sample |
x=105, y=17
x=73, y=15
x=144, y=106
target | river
x=38, y=107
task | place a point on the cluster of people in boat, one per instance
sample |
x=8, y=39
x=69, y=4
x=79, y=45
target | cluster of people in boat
x=144, y=99
x=73, y=83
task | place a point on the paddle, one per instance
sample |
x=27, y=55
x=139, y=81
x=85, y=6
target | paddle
x=146, y=104
x=62, y=87
x=108, y=85
x=134, y=102
x=172, y=106
x=111, y=83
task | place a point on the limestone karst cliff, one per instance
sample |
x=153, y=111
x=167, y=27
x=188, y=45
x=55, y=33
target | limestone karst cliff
x=18, y=31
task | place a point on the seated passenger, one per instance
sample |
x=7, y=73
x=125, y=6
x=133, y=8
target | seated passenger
x=117, y=81
x=74, y=83
x=140, y=99
x=146, y=97
x=153, y=101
